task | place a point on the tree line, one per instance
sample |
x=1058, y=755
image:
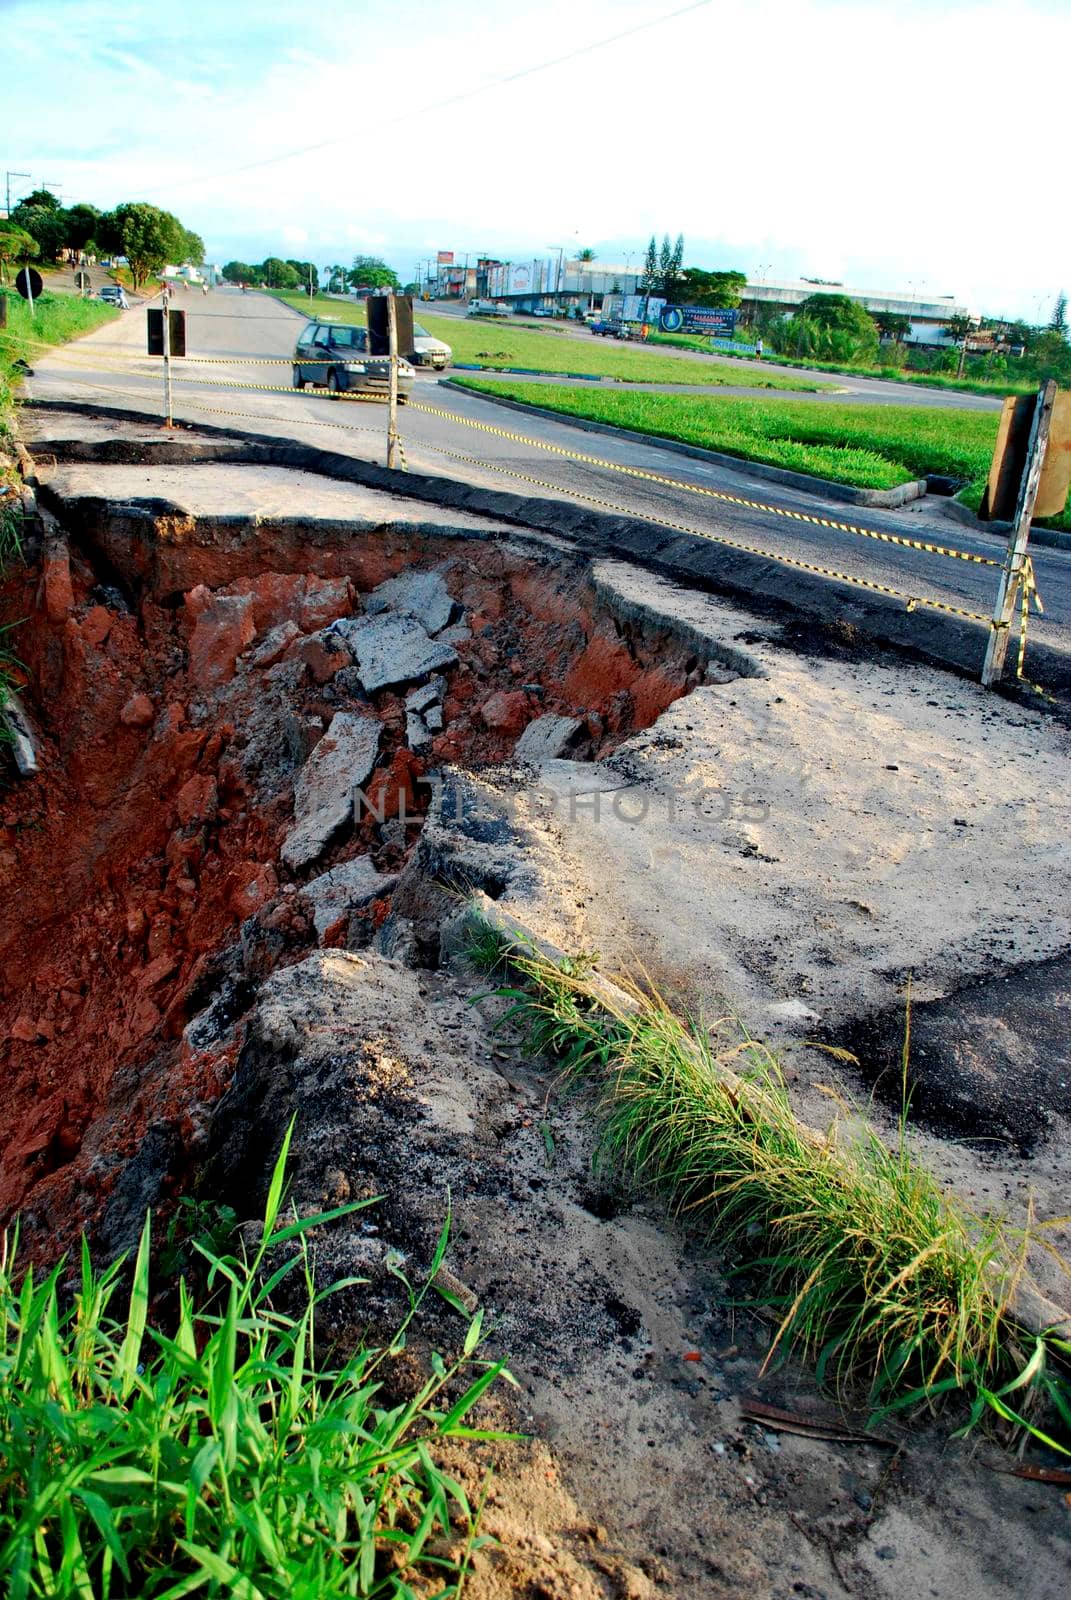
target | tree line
x=41, y=228
x=366, y=272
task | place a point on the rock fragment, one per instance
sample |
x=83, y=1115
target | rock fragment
x=323, y=795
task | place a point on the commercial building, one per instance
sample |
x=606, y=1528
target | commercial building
x=929, y=315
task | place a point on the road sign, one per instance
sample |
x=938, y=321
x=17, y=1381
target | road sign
x=177, y=328
x=81, y=280
x=29, y=283
x=378, y=329
x=698, y=319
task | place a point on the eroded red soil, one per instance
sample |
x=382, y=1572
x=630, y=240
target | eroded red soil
x=171, y=731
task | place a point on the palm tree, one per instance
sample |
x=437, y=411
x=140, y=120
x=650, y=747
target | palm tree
x=586, y=255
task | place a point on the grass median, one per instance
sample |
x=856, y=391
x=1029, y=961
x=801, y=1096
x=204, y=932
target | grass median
x=868, y=447
x=501, y=342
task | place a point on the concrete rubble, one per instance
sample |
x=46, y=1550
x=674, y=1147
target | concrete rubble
x=323, y=795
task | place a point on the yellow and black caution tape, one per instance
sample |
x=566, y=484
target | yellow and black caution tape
x=911, y=601
x=711, y=494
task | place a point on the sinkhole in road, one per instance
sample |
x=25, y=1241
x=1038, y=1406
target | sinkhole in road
x=202, y=728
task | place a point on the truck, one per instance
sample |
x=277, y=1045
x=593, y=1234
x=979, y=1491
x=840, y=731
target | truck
x=487, y=308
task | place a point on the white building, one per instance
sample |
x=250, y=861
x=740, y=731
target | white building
x=929, y=315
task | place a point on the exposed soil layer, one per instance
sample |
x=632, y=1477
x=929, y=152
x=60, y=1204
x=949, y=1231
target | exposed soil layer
x=176, y=702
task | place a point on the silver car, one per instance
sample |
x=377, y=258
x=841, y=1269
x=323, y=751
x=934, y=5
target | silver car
x=334, y=355
x=428, y=351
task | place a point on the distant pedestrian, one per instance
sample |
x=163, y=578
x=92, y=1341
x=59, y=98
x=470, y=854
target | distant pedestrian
x=758, y=349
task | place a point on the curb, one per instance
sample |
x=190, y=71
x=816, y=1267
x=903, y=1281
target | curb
x=884, y=499
x=1047, y=538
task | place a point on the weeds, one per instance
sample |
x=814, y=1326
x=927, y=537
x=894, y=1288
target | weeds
x=879, y=1276
x=220, y=1456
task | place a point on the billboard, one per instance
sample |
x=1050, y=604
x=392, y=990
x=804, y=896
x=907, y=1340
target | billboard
x=712, y=320
x=446, y=258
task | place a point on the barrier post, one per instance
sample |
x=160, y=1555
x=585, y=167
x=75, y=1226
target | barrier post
x=392, y=408
x=1013, y=572
x=168, y=423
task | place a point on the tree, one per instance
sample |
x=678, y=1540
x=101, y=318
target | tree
x=585, y=255
x=15, y=245
x=336, y=278
x=43, y=198
x=46, y=224
x=369, y=272
x=82, y=223
x=239, y=272
x=665, y=266
x=696, y=287
x=279, y=274
x=676, y=261
x=148, y=237
x=893, y=326
x=307, y=273
x=1058, y=320
x=193, y=248
x=649, y=280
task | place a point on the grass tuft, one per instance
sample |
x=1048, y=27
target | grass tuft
x=220, y=1456
x=881, y=1278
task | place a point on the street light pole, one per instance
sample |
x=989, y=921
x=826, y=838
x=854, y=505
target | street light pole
x=11, y=175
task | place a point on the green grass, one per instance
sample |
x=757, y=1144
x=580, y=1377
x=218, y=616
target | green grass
x=878, y=1275
x=56, y=319
x=221, y=1456
x=509, y=344
x=872, y=447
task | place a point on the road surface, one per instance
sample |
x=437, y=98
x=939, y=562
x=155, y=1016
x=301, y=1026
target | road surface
x=108, y=367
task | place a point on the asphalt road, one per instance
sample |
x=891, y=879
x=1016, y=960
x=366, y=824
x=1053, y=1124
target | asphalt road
x=109, y=367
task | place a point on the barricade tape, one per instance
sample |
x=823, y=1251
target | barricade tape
x=911, y=601
x=1028, y=587
x=712, y=494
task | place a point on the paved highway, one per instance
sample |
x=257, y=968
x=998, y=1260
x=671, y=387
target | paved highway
x=109, y=367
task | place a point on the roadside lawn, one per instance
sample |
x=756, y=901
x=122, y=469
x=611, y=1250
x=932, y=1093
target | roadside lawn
x=870, y=447
x=503, y=343
x=56, y=319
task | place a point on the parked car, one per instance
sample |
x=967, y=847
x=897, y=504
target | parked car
x=334, y=355
x=113, y=294
x=429, y=352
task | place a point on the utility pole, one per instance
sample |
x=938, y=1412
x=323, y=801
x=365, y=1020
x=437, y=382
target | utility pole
x=392, y=408
x=9, y=176
x=1014, y=571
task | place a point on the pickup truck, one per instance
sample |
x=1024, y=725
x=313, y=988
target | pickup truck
x=487, y=308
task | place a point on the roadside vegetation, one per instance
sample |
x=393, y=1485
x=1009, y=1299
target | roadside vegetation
x=212, y=1450
x=56, y=319
x=878, y=1276
x=871, y=447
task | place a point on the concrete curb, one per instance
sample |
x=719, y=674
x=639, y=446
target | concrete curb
x=1047, y=538
x=764, y=585
x=885, y=499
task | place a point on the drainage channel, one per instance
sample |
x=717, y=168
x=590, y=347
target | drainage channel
x=235, y=772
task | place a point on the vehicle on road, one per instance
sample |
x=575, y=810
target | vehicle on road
x=487, y=308
x=335, y=356
x=113, y=294
x=428, y=351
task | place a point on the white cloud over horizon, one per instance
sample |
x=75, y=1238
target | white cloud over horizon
x=884, y=145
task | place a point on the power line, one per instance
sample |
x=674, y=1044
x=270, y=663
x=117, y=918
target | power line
x=455, y=99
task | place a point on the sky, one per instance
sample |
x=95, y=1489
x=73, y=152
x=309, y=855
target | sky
x=888, y=144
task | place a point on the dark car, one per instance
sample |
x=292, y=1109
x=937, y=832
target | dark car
x=334, y=355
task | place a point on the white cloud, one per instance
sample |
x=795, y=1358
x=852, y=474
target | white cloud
x=844, y=138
